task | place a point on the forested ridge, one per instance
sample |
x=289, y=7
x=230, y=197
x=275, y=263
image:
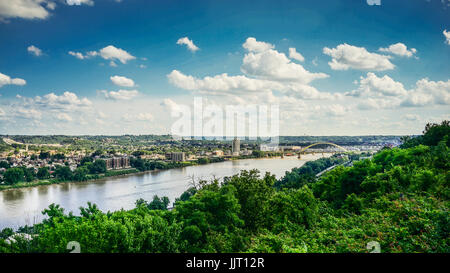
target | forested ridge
x=398, y=198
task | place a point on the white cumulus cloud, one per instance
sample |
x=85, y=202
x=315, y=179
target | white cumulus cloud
x=122, y=81
x=256, y=46
x=113, y=53
x=265, y=70
x=371, y=85
x=384, y=92
x=78, y=55
x=447, y=36
x=336, y=110
x=33, y=9
x=399, y=49
x=110, y=52
x=82, y=56
x=120, y=95
x=64, y=117
x=172, y=105
x=426, y=92
x=264, y=62
x=5, y=79
x=34, y=50
x=222, y=82
x=189, y=43
x=27, y=113
x=293, y=54
x=346, y=56
x=27, y=9
x=67, y=101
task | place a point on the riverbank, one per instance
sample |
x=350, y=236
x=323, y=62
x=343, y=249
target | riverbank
x=112, y=173
x=53, y=181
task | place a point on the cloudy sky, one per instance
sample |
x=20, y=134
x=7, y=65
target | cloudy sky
x=334, y=67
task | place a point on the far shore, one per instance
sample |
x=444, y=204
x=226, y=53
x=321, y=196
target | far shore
x=55, y=181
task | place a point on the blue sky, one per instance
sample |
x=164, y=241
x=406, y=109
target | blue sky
x=148, y=31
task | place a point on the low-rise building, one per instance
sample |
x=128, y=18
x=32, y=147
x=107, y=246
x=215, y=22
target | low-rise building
x=269, y=147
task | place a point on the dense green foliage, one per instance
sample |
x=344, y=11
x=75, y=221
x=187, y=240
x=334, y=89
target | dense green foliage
x=432, y=135
x=14, y=175
x=306, y=174
x=399, y=198
x=4, y=164
x=88, y=169
x=43, y=173
x=156, y=204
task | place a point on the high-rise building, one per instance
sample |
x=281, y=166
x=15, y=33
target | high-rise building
x=109, y=163
x=236, y=146
x=176, y=157
x=117, y=162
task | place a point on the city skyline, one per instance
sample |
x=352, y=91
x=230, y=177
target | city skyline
x=334, y=69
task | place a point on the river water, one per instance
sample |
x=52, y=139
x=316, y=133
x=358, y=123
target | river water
x=19, y=207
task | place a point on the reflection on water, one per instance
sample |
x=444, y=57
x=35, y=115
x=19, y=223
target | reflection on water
x=23, y=206
x=13, y=195
x=44, y=190
x=65, y=187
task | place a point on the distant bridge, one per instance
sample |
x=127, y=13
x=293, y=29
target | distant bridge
x=322, y=143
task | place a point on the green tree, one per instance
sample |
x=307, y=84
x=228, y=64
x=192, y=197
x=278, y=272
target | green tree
x=44, y=155
x=258, y=153
x=43, y=173
x=6, y=232
x=29, y=173
x=63, y=173
x=203, y=160
x=119, y=232
x=99, y=166
x=97, y=153
x=296, y=207
x=85, y=160
x=432, y=135
x=138, y=163
x=14, y=175
x=253, y=194
x=58, y=157
x=80, y=174
x=137, y=153
x=4, y=164
x=208, y=214
x=186, y=195
x=159, y=203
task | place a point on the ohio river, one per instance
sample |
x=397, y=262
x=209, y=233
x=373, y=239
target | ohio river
x=19, y=207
